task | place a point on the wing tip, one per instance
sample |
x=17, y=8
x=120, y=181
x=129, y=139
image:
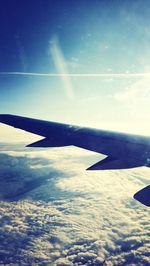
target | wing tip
x=4, y=117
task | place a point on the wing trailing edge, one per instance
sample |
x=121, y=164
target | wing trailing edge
x=110, y=163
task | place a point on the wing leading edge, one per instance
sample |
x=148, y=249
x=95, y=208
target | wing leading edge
x=123, y=150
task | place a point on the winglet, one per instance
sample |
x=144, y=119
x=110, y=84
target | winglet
x=143, y=196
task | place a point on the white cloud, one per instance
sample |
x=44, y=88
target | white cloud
x=73, y=217
x=138, y=91
x=17, y=136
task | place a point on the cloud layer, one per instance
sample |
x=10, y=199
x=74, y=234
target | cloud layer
x=53, y=212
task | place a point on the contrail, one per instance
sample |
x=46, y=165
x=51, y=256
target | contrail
x=78, y=75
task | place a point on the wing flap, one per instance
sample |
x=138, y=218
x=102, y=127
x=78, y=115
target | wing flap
x=143, y=196
x=110, y=163
x=50, y=142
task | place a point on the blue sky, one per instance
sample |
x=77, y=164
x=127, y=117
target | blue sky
x=77, y=37
x=53, y=211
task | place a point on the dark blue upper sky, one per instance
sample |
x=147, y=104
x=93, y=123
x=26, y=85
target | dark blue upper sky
x=27, y=26
x=75, y=37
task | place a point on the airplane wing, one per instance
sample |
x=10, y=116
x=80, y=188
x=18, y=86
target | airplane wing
x=123, y=150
